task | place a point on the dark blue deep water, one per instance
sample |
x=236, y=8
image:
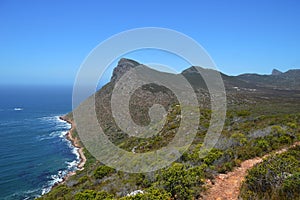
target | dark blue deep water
x=34, y=153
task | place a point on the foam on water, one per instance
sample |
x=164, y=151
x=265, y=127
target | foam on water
x=34, y=151
x=61, y=129
x=72, y=165
x=56, y=178
x=25, y=195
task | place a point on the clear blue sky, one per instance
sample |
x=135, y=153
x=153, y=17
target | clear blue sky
x=44, y=42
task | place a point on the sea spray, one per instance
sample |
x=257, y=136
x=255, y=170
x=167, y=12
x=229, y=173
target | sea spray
x=71, y=165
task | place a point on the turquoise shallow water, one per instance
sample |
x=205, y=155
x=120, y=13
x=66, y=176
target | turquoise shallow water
x=34, y=153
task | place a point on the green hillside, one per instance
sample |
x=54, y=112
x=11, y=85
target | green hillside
x=258, y=121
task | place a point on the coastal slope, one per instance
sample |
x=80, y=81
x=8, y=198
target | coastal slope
x=252, y=128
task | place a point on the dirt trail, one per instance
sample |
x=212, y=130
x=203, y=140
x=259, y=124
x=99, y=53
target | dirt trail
x=227, y=186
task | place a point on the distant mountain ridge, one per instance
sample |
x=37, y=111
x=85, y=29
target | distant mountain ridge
x=289, y=80
x=243, y=90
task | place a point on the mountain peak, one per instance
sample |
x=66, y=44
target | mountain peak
x=123, y=66
x=126, y=61
x=276, y=72
x=192, y=69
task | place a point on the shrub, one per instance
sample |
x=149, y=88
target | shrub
x=93, y=195
x=180, y=182
x=292, y=125
x=102, y=195
x=226, y=167
x=102, y=171
x=150, y=194
x=285, y=139
x=239, y=139
x=243, y=113
x=86, y=195
x=212, y=156
x=277, y=131
x=59, y=191
x=83, y=179
x=263, y=144
x=291, y=186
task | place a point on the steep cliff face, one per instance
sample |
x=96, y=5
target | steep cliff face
x=123, y=66
x=141, y=101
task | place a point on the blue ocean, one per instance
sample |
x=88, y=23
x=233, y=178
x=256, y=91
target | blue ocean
x=34, y=152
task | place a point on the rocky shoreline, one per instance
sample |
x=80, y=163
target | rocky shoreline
x=75, y=142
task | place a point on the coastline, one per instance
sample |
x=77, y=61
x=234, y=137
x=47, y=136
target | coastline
x=75, y=142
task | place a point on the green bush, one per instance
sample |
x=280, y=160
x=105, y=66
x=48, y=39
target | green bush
x=263, y=144
x=150, y=194
x=243, y=113
x=86, y=195
x=291, y=186
x=239, y=139
x=83, y=179
x=102, y=195
x=102, y=171
x=285, y=139
x=59, y=191
x=226, y=167
x=277, y=131
x=212, y=156
x=181, y=182
x=93, y=195
x=292, y=125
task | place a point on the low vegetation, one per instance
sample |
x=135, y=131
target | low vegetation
x=277, y=177
x=257, y=123
x=245, y=136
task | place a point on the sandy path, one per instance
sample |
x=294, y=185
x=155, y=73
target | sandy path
x=227, y=186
